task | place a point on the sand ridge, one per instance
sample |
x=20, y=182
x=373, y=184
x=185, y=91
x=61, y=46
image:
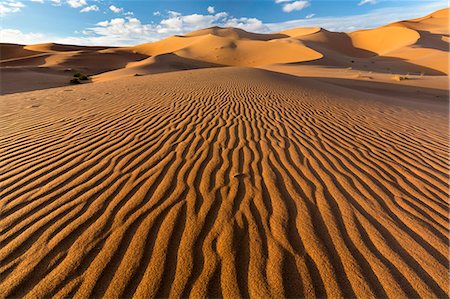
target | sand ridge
x=254, y=184
x=419, y=46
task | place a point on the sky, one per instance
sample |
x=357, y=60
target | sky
x=131, y=22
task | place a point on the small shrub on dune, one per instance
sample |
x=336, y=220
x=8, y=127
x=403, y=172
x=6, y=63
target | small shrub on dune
x=75, y=81
x=81, y=76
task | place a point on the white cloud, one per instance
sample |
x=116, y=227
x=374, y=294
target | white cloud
x=56, y=2
x=120, y=28
x=310, y=16
x=103, y=23
x=249, y=24
x=16, y=4
x=374, y=18
x=90, y=8
x=116, y=9
x=177, y=23
x=367, y=1
x=17, y=36
x=211, y=9
x=38, y=1
x=131, y=31
x=157, y=13
x=173, y=13
x=76, y=3
x=296, y=5
x=282, y=1
x=12, y=6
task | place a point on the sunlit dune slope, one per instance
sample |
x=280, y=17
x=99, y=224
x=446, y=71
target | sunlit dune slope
x=384, y=40
x=419, y=46
x=231, y=46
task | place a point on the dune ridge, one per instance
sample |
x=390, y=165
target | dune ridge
x=254, y=184
x=419, y=46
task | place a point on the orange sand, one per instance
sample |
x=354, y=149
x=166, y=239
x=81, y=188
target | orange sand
x=281, y=176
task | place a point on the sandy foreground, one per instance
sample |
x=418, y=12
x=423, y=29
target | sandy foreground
x=252, y=184
x=228, y=173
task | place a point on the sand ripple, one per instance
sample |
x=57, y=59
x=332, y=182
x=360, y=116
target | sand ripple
x=221, y=182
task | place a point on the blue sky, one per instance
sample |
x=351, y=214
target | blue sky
x=130, y=22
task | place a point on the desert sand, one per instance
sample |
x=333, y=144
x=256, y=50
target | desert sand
x=225, y=163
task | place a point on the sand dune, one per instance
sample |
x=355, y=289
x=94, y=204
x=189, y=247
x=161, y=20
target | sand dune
x=25, y=68
x=9, y=51
x=231, y=46
x=225, y=163
x=252, y=184
x=384, y=40
x=162, y=63
x=53, y=47
x=419, y=46
x=295, y=32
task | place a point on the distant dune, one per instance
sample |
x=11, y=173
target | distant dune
x=417, y=46
x=223, y=163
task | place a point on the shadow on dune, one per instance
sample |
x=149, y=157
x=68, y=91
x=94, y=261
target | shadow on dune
x=379, y=64
x=430, y=98
x=57, y=76
x=12, y=79
x=163, y=63
x=413, y=93
x=433, y=41
x=338, y=43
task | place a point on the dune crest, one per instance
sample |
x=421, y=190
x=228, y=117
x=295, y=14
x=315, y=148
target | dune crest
x=384, y=40
x=419, y=46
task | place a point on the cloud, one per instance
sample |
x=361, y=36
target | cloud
x=131, y=31
x=76, y=3
x=121, y=28
x=56, y=2
x=38, y=1
x=8, y=7
x=249, y=24
x=296, y=5
x=367, y=1
x=211, y=9
x=310, y=16
x=90, y=8
x=173, y=13
x=116, y=9
x=177, y=23
x=17, y=36
x=157, y=13
x=374, y=18
x=282, y=1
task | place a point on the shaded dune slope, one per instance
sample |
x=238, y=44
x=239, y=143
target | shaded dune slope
x=236, y=183
x=419, y=46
